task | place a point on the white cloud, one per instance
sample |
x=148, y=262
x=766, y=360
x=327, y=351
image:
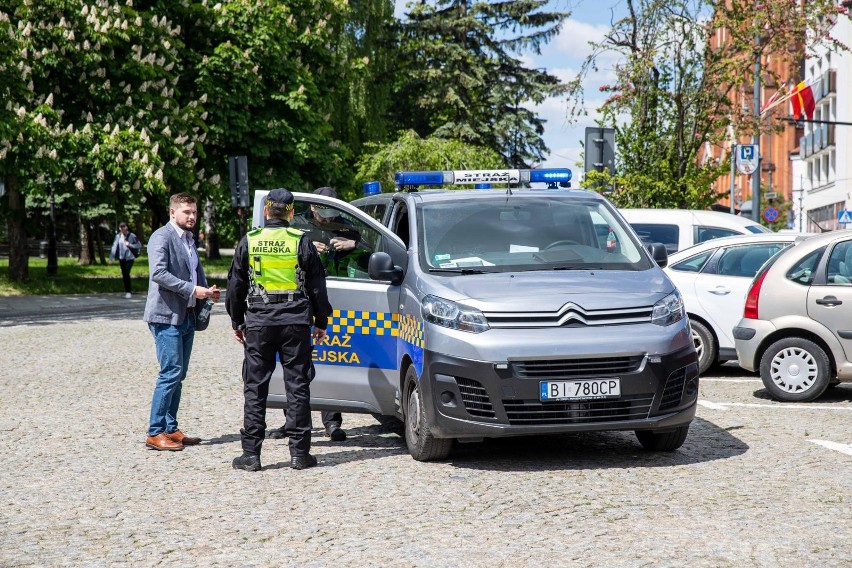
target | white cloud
x=575, y=36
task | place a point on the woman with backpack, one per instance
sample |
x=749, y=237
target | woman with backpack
x=126, y=247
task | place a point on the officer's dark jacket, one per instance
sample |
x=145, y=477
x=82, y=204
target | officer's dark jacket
x=299, y=311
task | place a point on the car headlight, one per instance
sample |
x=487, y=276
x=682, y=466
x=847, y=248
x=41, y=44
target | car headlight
x=668, y=310
x=455, y=316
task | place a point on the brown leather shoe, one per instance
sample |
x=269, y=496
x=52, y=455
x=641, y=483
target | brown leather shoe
x=162, y=442
x=181, y=438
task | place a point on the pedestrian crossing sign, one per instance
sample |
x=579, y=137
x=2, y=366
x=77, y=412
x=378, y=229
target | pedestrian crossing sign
x=844, y=217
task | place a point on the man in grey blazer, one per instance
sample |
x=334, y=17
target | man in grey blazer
x=177, y=280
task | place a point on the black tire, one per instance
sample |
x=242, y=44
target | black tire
x=662, y=441
x=418, y=437
x=706, y=345
x=795, y=369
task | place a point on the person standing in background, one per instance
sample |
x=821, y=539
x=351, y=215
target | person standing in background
x=126, y=247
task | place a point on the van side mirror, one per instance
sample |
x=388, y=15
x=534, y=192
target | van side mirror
x=381, y=267
x=659, y=254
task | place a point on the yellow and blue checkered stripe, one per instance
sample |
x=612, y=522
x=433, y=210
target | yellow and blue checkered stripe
x=364, y=323
x=370, y=339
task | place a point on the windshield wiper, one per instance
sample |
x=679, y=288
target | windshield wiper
x=458, y=270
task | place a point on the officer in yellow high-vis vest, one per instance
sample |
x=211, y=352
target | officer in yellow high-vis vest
x=276, y=292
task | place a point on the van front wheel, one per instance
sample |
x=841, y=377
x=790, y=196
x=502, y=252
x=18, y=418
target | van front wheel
x=663, y=441
x=418, y=437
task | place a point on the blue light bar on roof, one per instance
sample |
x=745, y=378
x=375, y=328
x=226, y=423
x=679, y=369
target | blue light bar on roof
x=419, y=178
x=480, y=177
x=552, y=175
x=372, y=188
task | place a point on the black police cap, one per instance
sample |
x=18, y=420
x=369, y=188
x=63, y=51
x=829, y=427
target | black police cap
x=279, y=196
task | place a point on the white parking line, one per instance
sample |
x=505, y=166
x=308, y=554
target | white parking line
x=842, y=448
x=725, y=405
x=714, y=380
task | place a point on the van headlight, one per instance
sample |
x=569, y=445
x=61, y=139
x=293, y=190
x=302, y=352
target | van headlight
x=668, y=310
x=455, y=316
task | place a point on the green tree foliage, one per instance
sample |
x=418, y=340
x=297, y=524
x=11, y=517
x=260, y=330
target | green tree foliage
x=97, y=122
x=676, y=95
x=461, y=77
x=410, y=152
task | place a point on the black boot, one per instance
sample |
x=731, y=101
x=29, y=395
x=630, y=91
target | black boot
x=335, y=432
x=247, y=462
x=303, y=462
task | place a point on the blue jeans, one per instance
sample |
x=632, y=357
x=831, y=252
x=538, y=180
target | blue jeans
x=174, y=346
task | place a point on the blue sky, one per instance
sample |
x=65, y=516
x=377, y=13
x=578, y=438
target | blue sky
x=563, y=57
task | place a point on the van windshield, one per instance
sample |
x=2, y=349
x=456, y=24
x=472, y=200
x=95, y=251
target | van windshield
x=522, y=232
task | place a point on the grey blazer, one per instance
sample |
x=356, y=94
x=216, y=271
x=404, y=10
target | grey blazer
x=171, y=281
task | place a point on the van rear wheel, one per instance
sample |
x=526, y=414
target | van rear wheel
x=422, y=445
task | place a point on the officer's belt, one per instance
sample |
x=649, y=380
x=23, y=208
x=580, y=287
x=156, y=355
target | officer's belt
x=276, y=298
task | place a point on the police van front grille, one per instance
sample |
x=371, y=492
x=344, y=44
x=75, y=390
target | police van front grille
x=564, y=368
x=673, y=392
x=475, y=398
x=535, y=413
x=569, y=315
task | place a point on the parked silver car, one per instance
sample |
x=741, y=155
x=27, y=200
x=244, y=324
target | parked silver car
x=797, y=321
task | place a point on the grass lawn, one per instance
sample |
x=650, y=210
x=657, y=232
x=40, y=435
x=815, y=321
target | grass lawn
x=72, y=278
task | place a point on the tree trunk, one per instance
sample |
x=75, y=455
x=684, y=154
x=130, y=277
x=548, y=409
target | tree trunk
x=85, y=244
x=19, y=270
x=99, y=244
x=211, y=239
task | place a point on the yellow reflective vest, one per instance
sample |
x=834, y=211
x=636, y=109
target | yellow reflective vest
x=273, y=256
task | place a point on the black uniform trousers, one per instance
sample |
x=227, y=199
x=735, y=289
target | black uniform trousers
x=292, y=343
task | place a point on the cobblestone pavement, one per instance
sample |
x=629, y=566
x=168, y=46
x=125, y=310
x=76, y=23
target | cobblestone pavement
x=757, y=483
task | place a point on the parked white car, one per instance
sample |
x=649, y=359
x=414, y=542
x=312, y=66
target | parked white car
x=682, y=228
x=713, y=278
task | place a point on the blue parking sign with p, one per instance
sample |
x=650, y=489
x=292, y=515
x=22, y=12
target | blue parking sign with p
x=746, y=152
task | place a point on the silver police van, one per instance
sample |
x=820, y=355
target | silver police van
x=477, y=313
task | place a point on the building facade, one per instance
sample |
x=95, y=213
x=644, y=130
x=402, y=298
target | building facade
x=826, y=145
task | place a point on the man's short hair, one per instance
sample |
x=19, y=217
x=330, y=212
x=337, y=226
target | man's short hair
x=179, y=198
x=122, y=225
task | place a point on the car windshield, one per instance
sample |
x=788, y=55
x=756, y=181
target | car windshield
x=524, y=232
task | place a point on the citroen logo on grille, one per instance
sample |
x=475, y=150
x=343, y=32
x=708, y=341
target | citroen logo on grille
x=571, y=311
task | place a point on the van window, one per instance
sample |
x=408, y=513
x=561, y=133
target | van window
x=708, y=233
x=501, y=235
x=328, y=226
x=669, y=235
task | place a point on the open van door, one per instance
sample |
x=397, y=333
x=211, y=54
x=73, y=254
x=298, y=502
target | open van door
x=356, y=366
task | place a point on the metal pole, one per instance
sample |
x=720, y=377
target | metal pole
x=755, y=177
x=801, y=197
x=733, y=154
x=52, y=264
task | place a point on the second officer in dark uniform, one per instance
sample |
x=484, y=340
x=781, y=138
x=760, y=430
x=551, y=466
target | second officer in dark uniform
x=276, y=292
